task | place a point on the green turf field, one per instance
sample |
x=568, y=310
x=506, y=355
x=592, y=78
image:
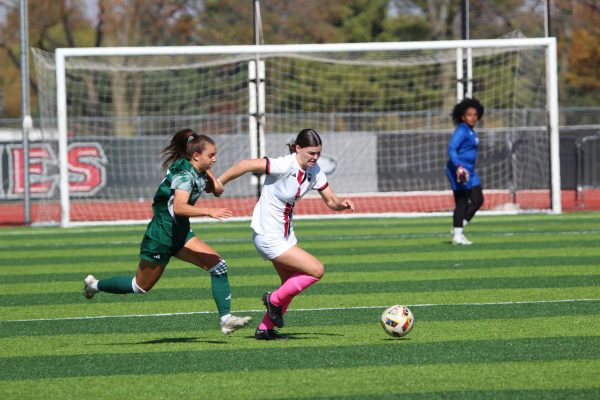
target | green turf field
x=515, y=316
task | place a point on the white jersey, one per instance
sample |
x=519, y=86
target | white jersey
x=285, y=183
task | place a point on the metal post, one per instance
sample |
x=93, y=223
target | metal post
x=464, y=19
x=460, y=87
x=63, y=146
x=552, y=109
x=260, y=100
x=466, y=35
x=547, y=30
x=27, y=122
x=579, y=201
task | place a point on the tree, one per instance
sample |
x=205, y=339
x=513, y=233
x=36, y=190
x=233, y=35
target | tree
x=64, y=23
x=51, y=25
x=581, y=65
x=300, y=21
x=137, y=23
x=67, y=23
x=494, y=19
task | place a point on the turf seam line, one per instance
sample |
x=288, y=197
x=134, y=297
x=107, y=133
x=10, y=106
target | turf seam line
x=300, y=310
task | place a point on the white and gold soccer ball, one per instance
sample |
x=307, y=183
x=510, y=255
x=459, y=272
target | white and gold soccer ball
x=397, y=320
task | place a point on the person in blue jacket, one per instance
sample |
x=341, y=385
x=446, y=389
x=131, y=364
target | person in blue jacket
x=462, y=153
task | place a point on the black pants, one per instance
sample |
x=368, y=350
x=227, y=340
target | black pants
x=467, y=202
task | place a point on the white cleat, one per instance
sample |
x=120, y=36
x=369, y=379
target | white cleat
x=461, y=240
x=88, y=290
x=234, y=323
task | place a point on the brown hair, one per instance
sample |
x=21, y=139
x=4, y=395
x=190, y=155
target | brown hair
x=306, y=138
x=183, y=144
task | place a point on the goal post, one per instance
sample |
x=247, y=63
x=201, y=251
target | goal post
x=382, y=109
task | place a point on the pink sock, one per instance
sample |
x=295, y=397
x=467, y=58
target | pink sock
x=292, y=287
x=283, y=296
x=266, y=322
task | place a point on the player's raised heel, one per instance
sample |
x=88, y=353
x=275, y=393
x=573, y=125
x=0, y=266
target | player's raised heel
x=273, y=311
x=268, y=334
x=88, y=289
x=233, y=323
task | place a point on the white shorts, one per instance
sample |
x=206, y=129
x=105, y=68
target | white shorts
x=270, y=247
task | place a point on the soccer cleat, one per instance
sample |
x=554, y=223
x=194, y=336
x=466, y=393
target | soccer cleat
x=88, y=290
x=273, y=311
x=461, y=240
x=234, y=323
x=268, y=334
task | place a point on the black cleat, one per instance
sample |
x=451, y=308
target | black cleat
x=268, y=334
x=273, y=311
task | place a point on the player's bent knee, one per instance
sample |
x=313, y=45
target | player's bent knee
x=318, y=271
x=219, y=269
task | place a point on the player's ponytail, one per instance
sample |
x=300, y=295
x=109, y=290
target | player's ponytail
x=306, y=138
x=291, y=144
x=183, y=144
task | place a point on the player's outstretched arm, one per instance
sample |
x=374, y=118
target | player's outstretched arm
x=334, y=202
x=256, y=166
x=183, y=209
x=213, y=185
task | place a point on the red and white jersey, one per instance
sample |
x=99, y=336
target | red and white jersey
x=285, y=183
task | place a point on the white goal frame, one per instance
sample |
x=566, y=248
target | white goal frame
x=62, y=54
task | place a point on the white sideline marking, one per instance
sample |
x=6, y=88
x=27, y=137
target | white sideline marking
x=333, y=238
x=300, y=310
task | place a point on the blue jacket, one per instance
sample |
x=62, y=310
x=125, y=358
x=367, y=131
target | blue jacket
x=462, y=150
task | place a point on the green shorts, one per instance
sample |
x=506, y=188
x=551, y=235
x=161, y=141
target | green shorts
x=159, y=251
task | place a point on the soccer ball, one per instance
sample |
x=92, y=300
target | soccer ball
x=397, y=320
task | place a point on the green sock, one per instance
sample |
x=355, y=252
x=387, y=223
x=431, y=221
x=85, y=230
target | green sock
x=221, y=293
x=116, y=284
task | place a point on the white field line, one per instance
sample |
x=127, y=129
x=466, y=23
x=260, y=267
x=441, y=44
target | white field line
x=81, y=226
x=301, y=310
x=332, y=238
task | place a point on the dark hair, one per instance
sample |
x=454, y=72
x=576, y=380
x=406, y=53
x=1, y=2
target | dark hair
x=183, y=144
x=306, y=138
x=460, y=108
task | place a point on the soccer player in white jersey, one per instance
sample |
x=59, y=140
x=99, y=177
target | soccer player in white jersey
x=288, y=179
x=187, y=160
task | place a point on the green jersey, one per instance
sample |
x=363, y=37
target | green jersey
x=166, y=227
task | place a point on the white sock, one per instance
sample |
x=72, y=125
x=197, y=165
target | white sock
x=95, y=286
x=136, y=288
x=458, y=232
x=465, y=222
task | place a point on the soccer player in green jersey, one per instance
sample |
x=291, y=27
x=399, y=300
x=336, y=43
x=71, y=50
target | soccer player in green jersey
x=188, y=160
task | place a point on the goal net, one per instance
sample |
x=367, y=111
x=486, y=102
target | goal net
x=382, y=109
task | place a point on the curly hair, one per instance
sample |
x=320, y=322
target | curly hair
x=460, y=108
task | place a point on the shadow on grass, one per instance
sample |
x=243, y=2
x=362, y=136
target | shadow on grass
x=303, y=335
x=395, y=339
x=311, y=334
x=172, y=340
